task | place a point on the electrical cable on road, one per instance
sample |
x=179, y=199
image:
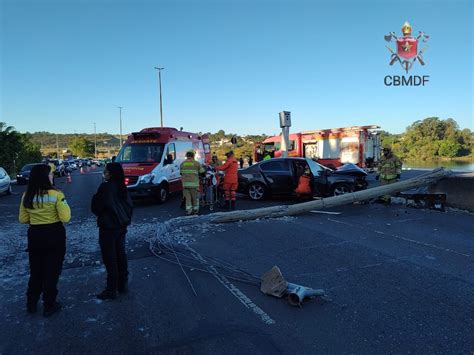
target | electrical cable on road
x=177, y=253
x=184, y=272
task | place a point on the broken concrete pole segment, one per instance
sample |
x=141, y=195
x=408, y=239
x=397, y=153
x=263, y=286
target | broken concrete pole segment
x=274, y=284
x=299, y=208
x=291, y=210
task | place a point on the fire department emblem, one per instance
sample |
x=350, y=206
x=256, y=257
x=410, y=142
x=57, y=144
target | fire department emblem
x=407, y=52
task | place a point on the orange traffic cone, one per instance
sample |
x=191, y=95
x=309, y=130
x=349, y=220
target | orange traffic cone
x=69, y=178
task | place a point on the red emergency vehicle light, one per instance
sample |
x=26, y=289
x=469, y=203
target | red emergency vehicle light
x=126, y=181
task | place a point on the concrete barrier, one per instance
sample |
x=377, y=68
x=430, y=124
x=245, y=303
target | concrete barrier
x=459, y=190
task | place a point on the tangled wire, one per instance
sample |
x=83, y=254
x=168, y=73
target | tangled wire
x=170, y=245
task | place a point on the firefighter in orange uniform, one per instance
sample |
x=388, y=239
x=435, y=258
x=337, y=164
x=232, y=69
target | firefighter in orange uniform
x=303, y=190
x=230, y=179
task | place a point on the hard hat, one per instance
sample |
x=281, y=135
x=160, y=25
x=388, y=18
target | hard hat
x=190, y=153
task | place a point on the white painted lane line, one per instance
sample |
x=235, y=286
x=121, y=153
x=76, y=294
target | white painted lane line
x=325, y=212
x=243, y=298
x=402, y=238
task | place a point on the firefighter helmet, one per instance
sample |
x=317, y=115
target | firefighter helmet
x=190, y=153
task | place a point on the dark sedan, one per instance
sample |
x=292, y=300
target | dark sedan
x=280, y=177
x=23, y=175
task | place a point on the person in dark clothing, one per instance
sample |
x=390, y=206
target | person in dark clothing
x=241, y=162
x=113, y=207
x=45, y=209
x=250, y=161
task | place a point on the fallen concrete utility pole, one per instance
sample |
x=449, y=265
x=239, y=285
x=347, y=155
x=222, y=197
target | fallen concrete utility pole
x=291, y=210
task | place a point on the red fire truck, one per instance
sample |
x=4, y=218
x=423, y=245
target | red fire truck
x=151, y=159
x=331, y=147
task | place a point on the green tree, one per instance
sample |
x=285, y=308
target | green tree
x=449, y=149
x=17, y=149
x=81, y=147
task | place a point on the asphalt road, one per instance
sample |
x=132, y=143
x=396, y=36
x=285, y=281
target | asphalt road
x=400, y=280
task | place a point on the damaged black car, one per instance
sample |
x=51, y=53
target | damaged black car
x=281, y=176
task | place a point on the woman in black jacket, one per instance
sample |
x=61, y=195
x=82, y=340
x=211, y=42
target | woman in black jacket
x=113, y=207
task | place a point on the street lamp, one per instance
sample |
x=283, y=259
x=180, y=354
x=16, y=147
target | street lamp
x=120, y=108
x=161, y=102
x=95, y=142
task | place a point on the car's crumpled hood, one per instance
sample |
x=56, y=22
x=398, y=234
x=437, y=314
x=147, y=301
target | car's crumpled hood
x=350, y=169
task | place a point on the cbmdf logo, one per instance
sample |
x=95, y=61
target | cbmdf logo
x=407, y=53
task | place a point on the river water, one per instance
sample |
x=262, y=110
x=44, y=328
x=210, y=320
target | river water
x=428, y=165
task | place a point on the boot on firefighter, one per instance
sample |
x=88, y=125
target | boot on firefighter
x=389, y=169
x=190, y=170
x=230, y=168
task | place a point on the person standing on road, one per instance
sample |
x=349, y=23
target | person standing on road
x=45, y=209
x=190, y=170
x=241, y=162
x=389, y=170
x=53, y=170
x=113, y=207
x=230, y=185
x=250, y=161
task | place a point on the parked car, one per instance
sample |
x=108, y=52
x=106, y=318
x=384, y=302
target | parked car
x=280, y=177
x=23, y=175
x=5, y=182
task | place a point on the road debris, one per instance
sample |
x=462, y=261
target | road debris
x=274, y=284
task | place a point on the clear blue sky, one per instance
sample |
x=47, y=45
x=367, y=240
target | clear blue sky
x=229, y=64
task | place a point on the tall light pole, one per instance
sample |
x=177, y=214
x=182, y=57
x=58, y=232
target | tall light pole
x=161, y=102
x=95, y=142
x=120, y=108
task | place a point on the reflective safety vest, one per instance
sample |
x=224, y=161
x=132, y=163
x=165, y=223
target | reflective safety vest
x=190, y=170
x=53, y=167
x=389, y=168
x=47, y=209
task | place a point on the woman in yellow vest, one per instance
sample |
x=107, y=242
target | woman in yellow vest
x=45, y=209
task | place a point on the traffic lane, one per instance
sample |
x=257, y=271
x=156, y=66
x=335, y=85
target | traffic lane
x=387, y=295
x=234, y=317
x=160, y=314
x=379, y=303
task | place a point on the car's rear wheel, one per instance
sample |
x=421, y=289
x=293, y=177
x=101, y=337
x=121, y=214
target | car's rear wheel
x=256, y=191
x=341, y=189
x=162, y=193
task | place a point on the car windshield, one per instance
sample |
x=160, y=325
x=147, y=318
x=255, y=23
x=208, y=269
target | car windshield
x=140, y=153
x=316, y=168
x=27, y=167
